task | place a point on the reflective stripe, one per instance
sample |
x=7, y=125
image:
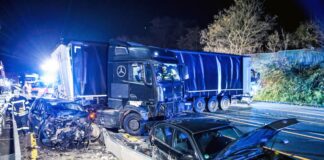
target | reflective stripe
x=22, y=114
x=19, y=101
x=219, y=73
x=22, y=128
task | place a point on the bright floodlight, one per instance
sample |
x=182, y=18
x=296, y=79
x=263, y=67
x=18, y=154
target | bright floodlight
x=50, y=65
x=48, y=78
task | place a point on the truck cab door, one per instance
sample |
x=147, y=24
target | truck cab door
x=140, y=82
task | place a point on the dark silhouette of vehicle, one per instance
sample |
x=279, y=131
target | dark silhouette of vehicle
x=60, y=123
x=192, y=136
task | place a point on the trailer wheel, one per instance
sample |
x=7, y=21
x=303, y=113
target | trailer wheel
x=132, y=124
x=199, y=105
x=224, y=103
x=212, y=105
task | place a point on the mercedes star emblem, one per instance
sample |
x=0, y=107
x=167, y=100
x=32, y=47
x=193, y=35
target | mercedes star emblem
x=121, y=71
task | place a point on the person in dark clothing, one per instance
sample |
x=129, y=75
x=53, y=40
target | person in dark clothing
x=19, y=105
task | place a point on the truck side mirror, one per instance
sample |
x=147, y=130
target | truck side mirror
x=147, y=75
x=184, y=72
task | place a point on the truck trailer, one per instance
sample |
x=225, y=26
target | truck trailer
x=216, y=79
x=136, y=84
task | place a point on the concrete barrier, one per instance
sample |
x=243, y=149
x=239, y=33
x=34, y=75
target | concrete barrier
x=121, y=151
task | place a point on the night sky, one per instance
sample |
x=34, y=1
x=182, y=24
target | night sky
x=31, y=29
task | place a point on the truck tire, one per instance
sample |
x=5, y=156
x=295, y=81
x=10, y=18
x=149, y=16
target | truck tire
x=212, y=105
x=132, y=124
x=224, y=103
x=199, y=105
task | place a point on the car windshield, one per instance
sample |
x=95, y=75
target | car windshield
x=67, y=106
x=211, y=142
x=167, y=72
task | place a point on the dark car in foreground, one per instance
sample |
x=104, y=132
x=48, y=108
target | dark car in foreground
x=60, y=123
x=199, y=137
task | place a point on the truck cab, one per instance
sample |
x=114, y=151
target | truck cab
x=144, y=84
x=138, y=83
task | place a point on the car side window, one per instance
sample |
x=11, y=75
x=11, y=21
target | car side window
x=158, y=132
x=181, y=143
x=168, y=134
x=164, y=134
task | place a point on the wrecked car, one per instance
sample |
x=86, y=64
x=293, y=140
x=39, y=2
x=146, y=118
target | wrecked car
x=202, y=138
x=60, y=124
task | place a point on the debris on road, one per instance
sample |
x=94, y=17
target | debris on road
x=93, y=151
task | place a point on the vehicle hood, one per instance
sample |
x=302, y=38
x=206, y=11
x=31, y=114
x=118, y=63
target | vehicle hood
x=256, y=138
x=73, y=113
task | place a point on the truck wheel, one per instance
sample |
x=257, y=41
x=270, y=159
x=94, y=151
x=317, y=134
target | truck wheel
x=224, y=103
x=212, y=105
x=132, y=124
x=199, y=105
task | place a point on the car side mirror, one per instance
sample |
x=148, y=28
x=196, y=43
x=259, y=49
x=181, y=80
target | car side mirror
x=187, y=157
x=147, y=75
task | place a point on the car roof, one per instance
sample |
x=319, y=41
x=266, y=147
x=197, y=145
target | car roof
x=195, y=123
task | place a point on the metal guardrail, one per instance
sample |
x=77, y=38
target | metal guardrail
x=16, y=138
x=17, y=151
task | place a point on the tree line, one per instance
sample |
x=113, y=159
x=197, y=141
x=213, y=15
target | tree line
x=243, y=28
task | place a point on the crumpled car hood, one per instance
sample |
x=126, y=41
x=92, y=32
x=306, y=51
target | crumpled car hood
x=74, y=113
x=257, y=137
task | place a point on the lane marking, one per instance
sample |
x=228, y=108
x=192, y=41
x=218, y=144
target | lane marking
x=248, y=122
x=287, y=154
x=264, y=115
x=289, y=114
x=253, y=121
x=291, y=111
x=303, y=135
x=33, y=145
x=131, y=138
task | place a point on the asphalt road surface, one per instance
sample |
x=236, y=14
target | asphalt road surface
x=305, y=139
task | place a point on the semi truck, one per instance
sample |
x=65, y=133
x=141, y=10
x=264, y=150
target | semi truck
x=137, y=84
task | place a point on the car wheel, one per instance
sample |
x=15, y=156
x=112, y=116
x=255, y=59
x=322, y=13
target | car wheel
x=132, y=124
x=45, y=133
x=199, y=105
x=224, y=103
x=212, y=105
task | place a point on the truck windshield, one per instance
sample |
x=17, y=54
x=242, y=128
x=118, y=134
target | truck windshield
x=167, y=72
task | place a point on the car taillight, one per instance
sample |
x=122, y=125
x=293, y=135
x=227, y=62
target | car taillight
x=92, y=115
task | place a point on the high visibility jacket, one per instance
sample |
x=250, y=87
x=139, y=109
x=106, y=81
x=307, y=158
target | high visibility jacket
x=19, y=106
